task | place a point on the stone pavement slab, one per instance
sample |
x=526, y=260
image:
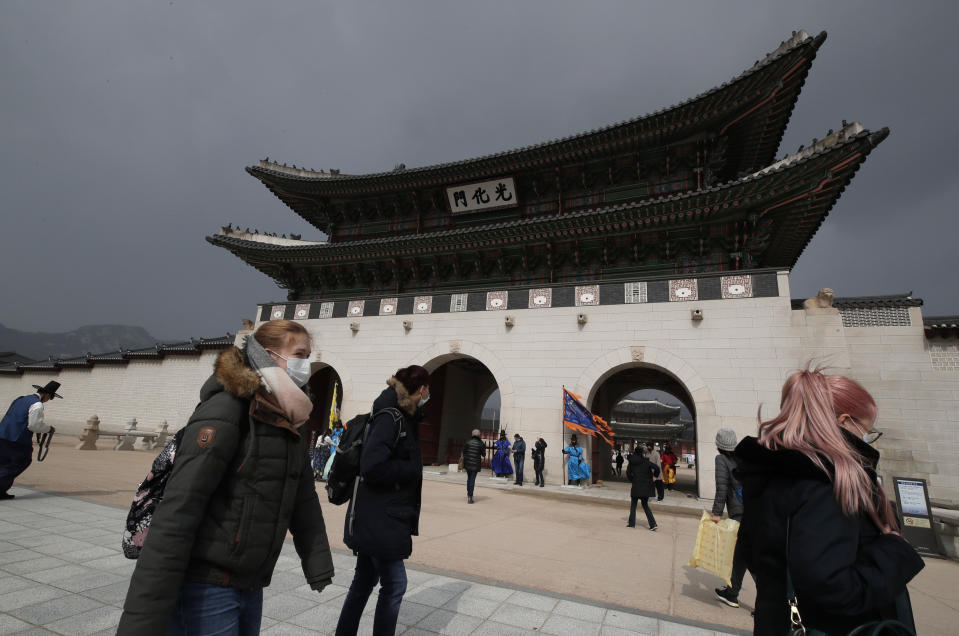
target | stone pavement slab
x=63, y=579
x=566, y=545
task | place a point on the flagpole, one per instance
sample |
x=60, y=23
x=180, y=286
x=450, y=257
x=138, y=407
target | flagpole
x=561, y=454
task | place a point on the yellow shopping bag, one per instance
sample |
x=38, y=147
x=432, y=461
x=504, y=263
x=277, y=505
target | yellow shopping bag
x=715, y=545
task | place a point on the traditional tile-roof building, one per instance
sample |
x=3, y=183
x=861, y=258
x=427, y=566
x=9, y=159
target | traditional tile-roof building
x=650, y=254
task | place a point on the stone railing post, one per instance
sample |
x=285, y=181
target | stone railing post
x=127, y=441
x=90, y=434
x=163, y=434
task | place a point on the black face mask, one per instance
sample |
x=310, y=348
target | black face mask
x=870, y=454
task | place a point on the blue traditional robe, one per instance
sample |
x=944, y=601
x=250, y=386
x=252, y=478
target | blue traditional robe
x=576, y=466
x=334, y=443
x=501, y=464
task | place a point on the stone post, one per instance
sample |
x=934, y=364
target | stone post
x=91, y=432
x=162, y=435
x=127, y=441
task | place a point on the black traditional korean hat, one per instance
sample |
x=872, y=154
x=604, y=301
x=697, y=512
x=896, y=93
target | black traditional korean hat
x=49, y=389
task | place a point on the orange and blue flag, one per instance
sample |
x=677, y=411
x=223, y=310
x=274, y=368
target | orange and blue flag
x=578, y=418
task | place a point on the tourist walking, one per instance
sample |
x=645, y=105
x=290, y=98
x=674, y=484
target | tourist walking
x=619, y=462
x=815, y=514
x=384, y=513
x=576, y=467
x=539, y=461
x=473, y=452
x=729, y=495
x=519, y=456
x=22, y=420
x=239, y=482
x=641, y=472
x=653, y=455
x=500, y=464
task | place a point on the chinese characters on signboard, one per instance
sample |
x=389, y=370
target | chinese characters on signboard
x=499, y=193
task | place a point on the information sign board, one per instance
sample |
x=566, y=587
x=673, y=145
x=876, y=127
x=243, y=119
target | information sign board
x=915, y=512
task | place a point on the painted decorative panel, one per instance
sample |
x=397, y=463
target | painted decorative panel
x=326, y=310
x=277, y=312
x=635, y=292
x=458, y=302
x=540, y=298
x=496, y=300
x=737, y=286
x=683, y=289
x=388, y=307
x=355, y=309
x=302, y=312
x=587, y=295
x=423, y=304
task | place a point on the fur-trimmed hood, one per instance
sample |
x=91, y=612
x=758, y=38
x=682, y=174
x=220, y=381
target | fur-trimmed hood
x=403, y=397
x=234, y=375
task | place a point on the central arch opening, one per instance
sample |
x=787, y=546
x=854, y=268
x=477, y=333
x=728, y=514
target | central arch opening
x=646, y=404
x=324, y=382
x=464, y=396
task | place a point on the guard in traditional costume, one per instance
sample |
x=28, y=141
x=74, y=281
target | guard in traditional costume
x=576, y=467
x=501, y=465
x=22, y=420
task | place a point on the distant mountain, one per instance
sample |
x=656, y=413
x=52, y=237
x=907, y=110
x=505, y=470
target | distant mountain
x=92, y=338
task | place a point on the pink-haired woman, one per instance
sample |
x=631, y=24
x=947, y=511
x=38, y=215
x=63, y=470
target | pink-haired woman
x=809, y=483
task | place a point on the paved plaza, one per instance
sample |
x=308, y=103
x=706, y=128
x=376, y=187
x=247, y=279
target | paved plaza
x=519, y=559
x=63, y=573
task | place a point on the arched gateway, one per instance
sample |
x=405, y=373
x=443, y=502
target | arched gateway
x=647, y=255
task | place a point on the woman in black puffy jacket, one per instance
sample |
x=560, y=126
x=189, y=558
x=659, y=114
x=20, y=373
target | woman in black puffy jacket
x=813, y=505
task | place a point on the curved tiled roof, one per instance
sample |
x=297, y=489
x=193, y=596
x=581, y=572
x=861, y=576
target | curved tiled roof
x=660, y=211
x=123, y=356
x=866, y=302
x=942, y=326
x=781, y=75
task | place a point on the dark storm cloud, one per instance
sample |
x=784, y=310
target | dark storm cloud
x=126, y=127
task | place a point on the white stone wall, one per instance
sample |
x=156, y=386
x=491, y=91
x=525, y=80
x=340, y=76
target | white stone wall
x=732, y=363
x=151, y=391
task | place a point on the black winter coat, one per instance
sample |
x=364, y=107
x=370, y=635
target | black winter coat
x=239, y=481
x=387, y=502
x=539, y=455
x=473, y=452
x=641, y=472
x=726, y=484
x=845, y=571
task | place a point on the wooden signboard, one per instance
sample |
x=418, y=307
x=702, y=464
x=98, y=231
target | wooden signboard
x=912, y=497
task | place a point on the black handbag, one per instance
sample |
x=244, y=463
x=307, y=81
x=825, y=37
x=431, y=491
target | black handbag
x=872, y=628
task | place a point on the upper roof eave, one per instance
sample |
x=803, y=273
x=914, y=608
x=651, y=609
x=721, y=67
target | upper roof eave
x=253, y=247
x=277, y=174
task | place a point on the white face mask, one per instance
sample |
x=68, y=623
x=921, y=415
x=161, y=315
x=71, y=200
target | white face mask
x=297, y=368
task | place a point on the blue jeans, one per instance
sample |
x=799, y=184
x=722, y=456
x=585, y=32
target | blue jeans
x=205, y=609
x=391, y=576
x=520, y=461
x=470, y=481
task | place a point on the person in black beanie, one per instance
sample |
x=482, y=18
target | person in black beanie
x=539, y=461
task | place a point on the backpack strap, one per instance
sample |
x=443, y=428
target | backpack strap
x=397, y=419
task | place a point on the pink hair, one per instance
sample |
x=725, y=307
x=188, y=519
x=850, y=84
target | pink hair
x=808, y=422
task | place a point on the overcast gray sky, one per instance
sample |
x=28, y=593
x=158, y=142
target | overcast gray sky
x=126, y=126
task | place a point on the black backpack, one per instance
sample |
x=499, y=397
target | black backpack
x=344, y=477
